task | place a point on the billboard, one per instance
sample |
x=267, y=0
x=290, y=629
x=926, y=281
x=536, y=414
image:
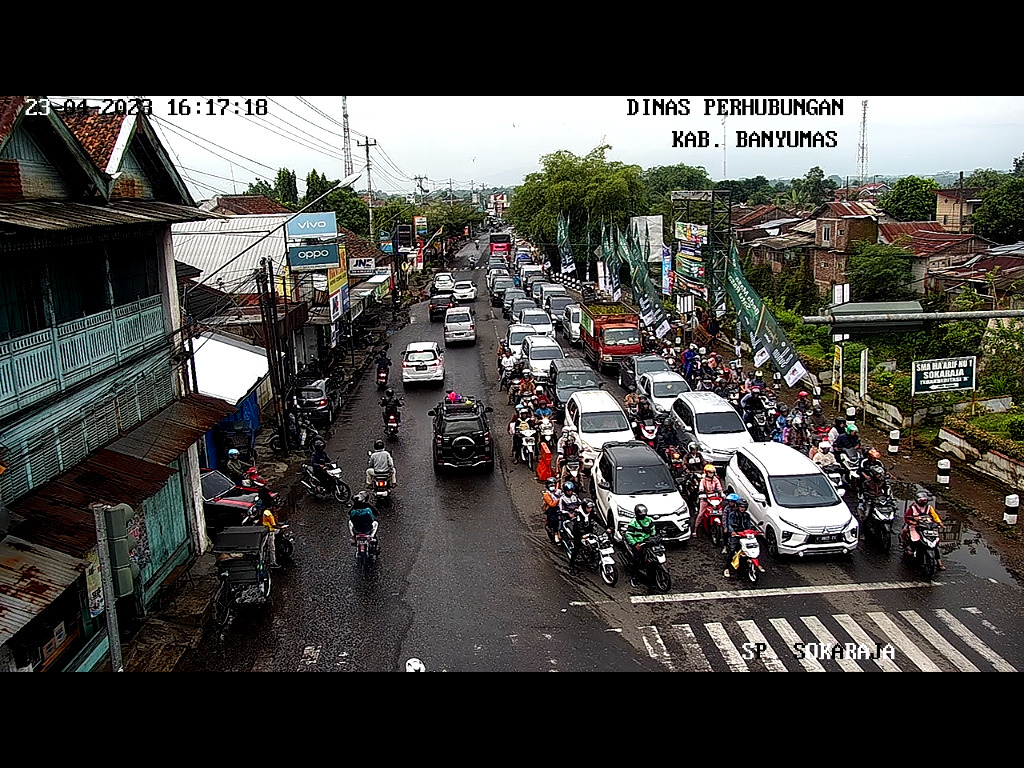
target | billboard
x=313, y=225
x=949, y=374
x=649, y=228
x=308, y=258
x=362, y=266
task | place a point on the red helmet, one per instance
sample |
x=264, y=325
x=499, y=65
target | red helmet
x=802, y=394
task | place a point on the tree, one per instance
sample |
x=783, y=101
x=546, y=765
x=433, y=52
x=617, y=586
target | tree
x=815, y=186
x=911, y=199
x=285, y=189
x=662, y=179
x=879, y=272
x=1018, y=167
x=1000, y=216
x=261, y=188
x=316, y=185
x=985, y=179
x=351, y=210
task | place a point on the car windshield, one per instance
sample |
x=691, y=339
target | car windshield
x=719, y=423
x=621, y=336
x=652, y=364
x=462, y=317
x=515, y=338
x=463, y=286
x=512, y=294
x=214, y=484
x=799, y=491
x=536, y=318
x=558, y=303
x=427, y=356
x=669, y=388
x=454, y=427
x=546, y=353
x=603, y=421
x=310, y=394
x=574, y=316
x=442, y=298
x=632, y=481
x=576, y=380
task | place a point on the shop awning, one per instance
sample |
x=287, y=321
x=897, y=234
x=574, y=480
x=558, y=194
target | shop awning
x=31, y=577
x=165, y=436
x=227, y=368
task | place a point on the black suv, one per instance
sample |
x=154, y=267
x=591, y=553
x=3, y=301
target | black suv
x=569, y=375
x=462, y=437
x=317, y=398
x=439, y=304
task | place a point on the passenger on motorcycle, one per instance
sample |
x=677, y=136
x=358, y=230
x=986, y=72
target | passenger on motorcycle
x=735, y=518
x=568, y=504
x=916, y=512
x=693, y=459
x=631, y=400
x=236, y=468
x=797, y=436
x=637, y=533
x=391, y=405
x=567, y=448
x=824, y=457
x=527, y=387
x=551, y=496
x=380, y=462
x=582, y=524
x=644, y=410
x=362, y=518
x=542, y=396
x=817, y=419
x=518, y=424
x=872, y=475
x=711, y=485
x=838, y=429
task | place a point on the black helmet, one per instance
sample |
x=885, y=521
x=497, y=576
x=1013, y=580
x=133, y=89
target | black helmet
x=318, y=443
x=589, y=506
x=360, y=498
x=551, y=484
x=640, y=511
x=378, y=445
x=389, y=392
x=742, y=503
x=569, y=487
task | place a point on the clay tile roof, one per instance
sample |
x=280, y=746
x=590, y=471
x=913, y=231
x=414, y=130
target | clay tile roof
x=358, y=247
x=243, y=205
x=95, y=132
x=927, y=243
x=10, y=106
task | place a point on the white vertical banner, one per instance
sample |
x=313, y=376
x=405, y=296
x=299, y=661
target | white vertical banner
x=863, y=386
x=651, y=227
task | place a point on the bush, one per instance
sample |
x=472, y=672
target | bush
x=1015, y=427
x=983, y=440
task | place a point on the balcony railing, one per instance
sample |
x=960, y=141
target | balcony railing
x=40, y=364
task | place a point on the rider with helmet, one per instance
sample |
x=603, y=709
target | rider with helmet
x=848, y=440
x=542, y=397
x=236, y=468
x=693, y=459
x=751, y=404
x=391, y=405
x=638, y=533
x=817, y=418
x=824, y=457
x=921, y=509
x=644, y=410
x=803, y=402
x=710, y=485
x=521, y=420
x=582, y=524
x=383, y=361
x=527, y=387
x=568, y=504
x=362, y=518
x=735, y=519
x=551, y=495
x=319, y=459
x=380, y=462
x=872, y=475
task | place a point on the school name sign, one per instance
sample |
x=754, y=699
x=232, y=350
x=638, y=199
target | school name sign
x=950, y=374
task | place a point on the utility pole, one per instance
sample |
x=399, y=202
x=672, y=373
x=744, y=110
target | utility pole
x=862, y=146
x=107, y=582
x=960, y=217
x=270, y=343
x=451, y=195
x=369, y=184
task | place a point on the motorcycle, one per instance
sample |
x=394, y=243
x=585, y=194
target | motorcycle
x=528, y=447
x=757, y=425
x=711, y=525
x=849, y=466
x=284, y=539
x=647, y=430
x=302, y=440
x=746, y=560
x=367, y=550
x=923, y=546
x=878, y=516
x=382, y=378
x=835, y=476
x=547, y=432
x=676, y=465
x=513, y=392
x=648, y=564
x=382, y=487
x=336, y=487
x=574, y=472
x=270, y=499
x=595, y=552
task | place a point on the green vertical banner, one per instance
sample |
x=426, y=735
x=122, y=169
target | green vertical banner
x=564, y=247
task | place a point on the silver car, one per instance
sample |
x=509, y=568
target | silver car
x=459, y=325
x=423, y=361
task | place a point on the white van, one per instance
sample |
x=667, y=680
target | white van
x=571, y=323
x=597, y=418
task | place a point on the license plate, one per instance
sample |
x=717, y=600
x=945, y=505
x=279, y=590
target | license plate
x=421, y=367
x=829, y=538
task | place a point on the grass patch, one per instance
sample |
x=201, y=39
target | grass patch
x=996, y=423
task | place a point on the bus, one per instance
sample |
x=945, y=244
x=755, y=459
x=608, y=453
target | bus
x=501, y=243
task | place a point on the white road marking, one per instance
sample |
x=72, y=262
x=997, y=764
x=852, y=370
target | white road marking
x=693, y=656
x=863, y=639
x=725, y=645
x=656, y=646
x=754, y=635
x=792, y=639
x=310, y=654
x=897, y=637
x=984, y=622
x=974, y=641
x=824, y=637
x=940, y=643
x=820, y=589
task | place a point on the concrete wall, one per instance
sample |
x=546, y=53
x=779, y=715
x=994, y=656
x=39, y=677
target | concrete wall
x=1008, y=471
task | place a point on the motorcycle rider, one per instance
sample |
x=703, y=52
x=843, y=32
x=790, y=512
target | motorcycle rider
x=383, y=361
x=872, y=475
x=319, y=459
x=691, y=360
x=551, y=496
x=236, y=468
x=838, y=428
x=781, y=424
x=582, y=524
x=391, y=405
x=735, y=519
x=631, y=400
x=917, y=511
x=362, y=518
x=637, y=533
x=803, y=403
x=568, y=504
x=380, y=462
x=751, y=404
x=542, y=397
x=271, y=525
x=824, y=457
x=711, y=485
x=567, y=448
x=541, y=408
x=817, y=418
x=507, y=363
x=797, y=436
x=527, y=387
x=520, y=421
x=848, y=440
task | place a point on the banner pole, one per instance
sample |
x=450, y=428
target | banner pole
x=912, y=409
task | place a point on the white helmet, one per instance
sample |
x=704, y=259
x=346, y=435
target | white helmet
x=824, y=445
x=539, y=390
x=702, y=351
x=414, y=665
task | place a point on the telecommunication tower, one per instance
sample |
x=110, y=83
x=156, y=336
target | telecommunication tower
x=862, y=148
x=349, y=169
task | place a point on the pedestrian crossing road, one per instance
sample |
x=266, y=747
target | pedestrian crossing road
x=901, y=641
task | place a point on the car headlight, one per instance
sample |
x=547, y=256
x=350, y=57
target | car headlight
x=684, y=514
x=625, y=513
x=792, y=525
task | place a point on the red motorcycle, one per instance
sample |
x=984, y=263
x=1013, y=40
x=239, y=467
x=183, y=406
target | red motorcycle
x=711, y=525
x=271, y=499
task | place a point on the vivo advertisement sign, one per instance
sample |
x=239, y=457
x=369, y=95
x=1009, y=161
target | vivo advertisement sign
x=313, y=257
x=313, y=225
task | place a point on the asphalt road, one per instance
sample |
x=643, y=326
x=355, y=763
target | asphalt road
x=469, y=581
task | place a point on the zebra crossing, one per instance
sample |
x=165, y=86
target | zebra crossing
x=902, y=641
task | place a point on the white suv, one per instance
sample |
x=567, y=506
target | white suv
x=631, y=473
x=712, y=423
x=459, y=325
x=538, y=352
x=598, y=419
x=792, y=502
x=423, y=361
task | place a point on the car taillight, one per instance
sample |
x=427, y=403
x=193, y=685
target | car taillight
x=472, y=327
x=437, y=439
x=406, y=365
x=487, y=438
x=321, y=403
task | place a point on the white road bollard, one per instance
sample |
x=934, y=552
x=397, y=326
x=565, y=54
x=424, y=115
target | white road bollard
x=894, y=442
x=942, y=475
x=1010, y=509
x=851, y=413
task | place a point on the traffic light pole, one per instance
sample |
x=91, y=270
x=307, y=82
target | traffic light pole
x=839, y=320
x=109, y=601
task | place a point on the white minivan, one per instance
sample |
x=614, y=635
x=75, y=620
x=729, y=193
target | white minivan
x=711, y=422
x=597, y=418
x=571, y=323
x=459, y=325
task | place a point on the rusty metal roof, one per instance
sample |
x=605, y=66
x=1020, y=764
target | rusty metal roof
x=889, y=231
x=164, y=436
x=63, y=215
x=31, y=577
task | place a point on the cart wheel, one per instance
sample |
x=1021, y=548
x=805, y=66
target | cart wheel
x=222, y=605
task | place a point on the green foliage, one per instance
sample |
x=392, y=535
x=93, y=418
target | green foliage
x=1003, y=361
x=982, y=439
x=662, y=179
x=316, y=185
x=911, y=199
x=984, y=179
x=351, y=210
x=1018, y=167
x=1000, y=216
x=260, y=188
x=815, y=187
x=285, y=188
x=1015, y=428
x=755, y=191
x=878, y=272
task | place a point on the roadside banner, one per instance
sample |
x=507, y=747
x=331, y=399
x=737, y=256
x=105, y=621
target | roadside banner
x=837, y=370
x=564, y=246
x=949, y=374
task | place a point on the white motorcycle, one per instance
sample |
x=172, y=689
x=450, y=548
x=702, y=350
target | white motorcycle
x=528, y=447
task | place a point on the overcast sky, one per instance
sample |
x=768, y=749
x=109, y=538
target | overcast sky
x=497, y=140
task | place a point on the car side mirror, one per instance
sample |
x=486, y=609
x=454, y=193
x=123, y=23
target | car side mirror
x=488, y=409
x=842, y=491
x=431, y=413
x=603, y=485
x=760, y=498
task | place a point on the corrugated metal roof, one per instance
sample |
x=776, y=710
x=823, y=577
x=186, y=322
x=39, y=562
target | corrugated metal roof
x=31, y=577
x=64, y=215
x=210, y=245
x=164, y=436
x=889, y=231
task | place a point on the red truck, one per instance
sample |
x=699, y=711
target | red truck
x=608, y=332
